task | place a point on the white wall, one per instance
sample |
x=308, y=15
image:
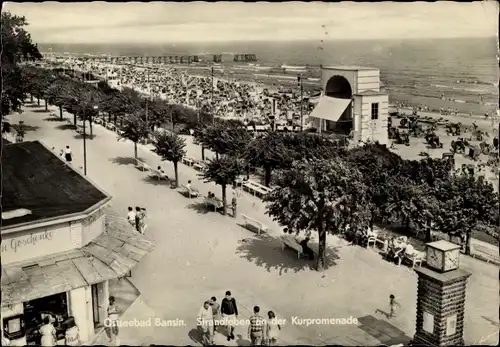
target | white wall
x=80, y=307
x=374, y=130
x=93, y=226
x=368, y=80
x=37, y=242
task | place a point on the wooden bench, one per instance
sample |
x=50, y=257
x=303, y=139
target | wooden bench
x=53, y=115
x=191, y=192
x=110, y=126
x=256, y=188
x=198, y=165
x=159, y=175
x=79, y=129
x=187, y=161
x=69, y=121
x=374, y=240
x=255, y=224
x=290, y=241
x=142, y=165
x=98, y=121
x=488, y=254
x=214, y=202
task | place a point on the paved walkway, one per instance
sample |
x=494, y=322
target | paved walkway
x=200, y=254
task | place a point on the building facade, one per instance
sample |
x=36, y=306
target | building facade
x=351, y=104
x=59, y=266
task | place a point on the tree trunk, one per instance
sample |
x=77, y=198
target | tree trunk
x=224, y=203
x=90, y=122
x=321, y=261
x=248, y=172
x=135, y=150
x=31, y=97
x=468, y=240
x=60, y=113
x=38, y=101
x=176, y=172
x=109, y=117
x=267, y=176
x=46, y=105
x=216, y=155
x=114, y=119
x=74, y=119
x=202, y=152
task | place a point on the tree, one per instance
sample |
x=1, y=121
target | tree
x=55, y=94
x=169, y=146
x=134, y=129
x=414, y=204
x=466, y=202
x=269, y=152
x=16, y=47
x=225, y=139
x=222, y=171
x=378, y=166
x=319, y=195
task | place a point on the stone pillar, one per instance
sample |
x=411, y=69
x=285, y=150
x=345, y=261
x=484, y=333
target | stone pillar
x=440, y=307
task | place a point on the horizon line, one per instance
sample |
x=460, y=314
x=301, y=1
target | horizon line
x=269, y=40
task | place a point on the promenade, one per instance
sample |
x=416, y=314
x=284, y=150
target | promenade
x=201, y=254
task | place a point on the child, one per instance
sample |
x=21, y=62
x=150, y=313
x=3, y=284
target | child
x=392, y=305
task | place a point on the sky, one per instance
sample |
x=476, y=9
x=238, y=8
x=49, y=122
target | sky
x=163, y=22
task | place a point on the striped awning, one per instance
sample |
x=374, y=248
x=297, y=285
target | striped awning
x=111, y=255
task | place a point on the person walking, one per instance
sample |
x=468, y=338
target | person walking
x=68, y=155
x=229, y=311
x=48, y=333
x=72, y=334
x=234, y=204
x=272, y=330
x=205, y=321
x=392, y=306
x=140, y=217
x=112, y=326
x=131, y=217
x=256, y=327
x=215, y=311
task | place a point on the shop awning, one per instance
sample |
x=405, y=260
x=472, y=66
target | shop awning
x=111, y=255
x=330, y=108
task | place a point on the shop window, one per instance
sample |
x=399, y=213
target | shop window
x=14, y=327
x=54, y=306
x=375, y=111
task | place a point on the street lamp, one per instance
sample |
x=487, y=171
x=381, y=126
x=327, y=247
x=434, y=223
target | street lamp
x=85, y=142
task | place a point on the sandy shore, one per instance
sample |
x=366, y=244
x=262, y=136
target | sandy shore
x=489, y=125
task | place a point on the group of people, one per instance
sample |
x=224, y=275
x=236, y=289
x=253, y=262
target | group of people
x=48, y=333
x=225, y=97
x=213, y=317
x=397, y=248
x=137, y=218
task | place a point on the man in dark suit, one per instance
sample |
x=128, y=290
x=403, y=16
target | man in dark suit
x=229, y=311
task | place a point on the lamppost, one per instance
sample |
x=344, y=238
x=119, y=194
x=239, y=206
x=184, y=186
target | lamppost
x=96, y=108
x=299, y=80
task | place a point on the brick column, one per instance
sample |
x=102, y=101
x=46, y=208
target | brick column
x=442, y=296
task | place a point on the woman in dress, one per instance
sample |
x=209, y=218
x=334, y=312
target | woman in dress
x=72, y=335
x=272, y=329
x=48, y=333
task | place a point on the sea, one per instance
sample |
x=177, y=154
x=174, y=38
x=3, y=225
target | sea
x=459, y=74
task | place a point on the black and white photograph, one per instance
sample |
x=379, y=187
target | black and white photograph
x=250, y=173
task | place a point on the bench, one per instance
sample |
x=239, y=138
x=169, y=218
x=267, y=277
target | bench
x=190, y=191
x=374, y=240
x=98, y=121
x=187, y=161
x=53, y=115
x=291, y=242
x=488, y=254
x=214, y=202
x=256, y=188
x=110, y=126
x=198, y=165
x=142, y=165
x=255, y=224
x=159, y=175
x=69, y=121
